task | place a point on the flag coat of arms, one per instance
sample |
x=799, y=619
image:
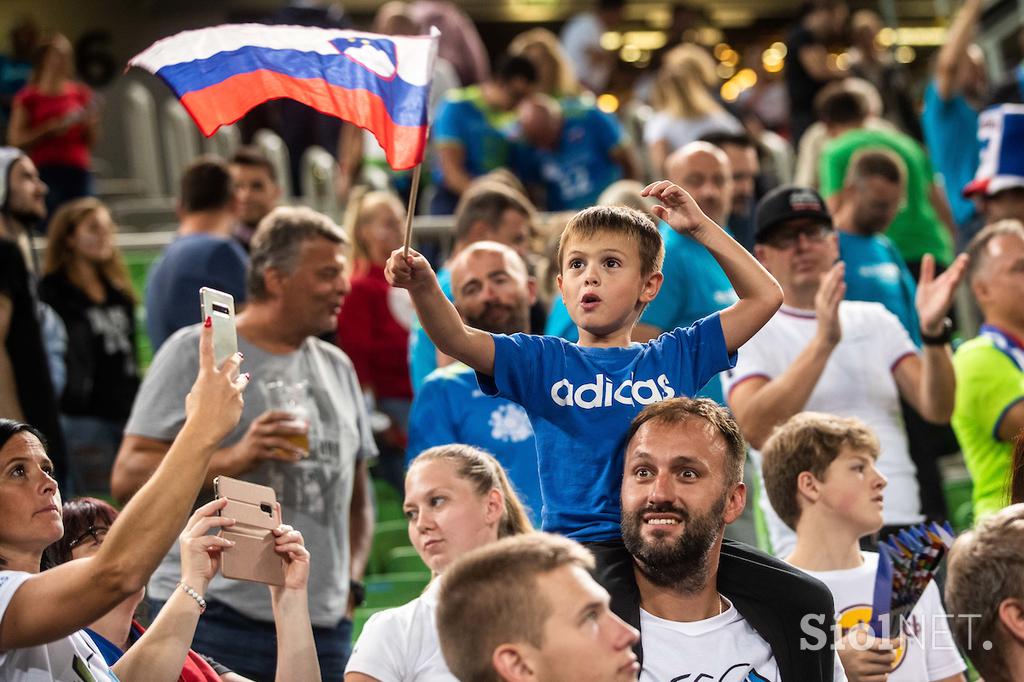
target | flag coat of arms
x=377, y=82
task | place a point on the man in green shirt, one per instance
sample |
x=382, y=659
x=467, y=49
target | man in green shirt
x=989, y=409
x=924, y=224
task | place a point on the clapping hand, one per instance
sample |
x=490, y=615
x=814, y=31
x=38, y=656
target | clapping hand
x=935, y=294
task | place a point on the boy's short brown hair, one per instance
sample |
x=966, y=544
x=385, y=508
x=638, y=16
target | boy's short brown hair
x=986, y=567
x=491, y=596
x=626, y=221
x=808, y=441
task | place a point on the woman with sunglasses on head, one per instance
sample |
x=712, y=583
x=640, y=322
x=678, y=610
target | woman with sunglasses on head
x=457, y=498
x=42, y=613
x=158, y=653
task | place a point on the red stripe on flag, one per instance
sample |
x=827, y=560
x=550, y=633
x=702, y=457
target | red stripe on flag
x=229, y=100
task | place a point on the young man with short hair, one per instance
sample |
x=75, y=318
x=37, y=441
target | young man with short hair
x=525, y=608
x=820, y=476
x=985, y=592
x=256, y=191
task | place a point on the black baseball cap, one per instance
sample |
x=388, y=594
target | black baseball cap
x=784, y=203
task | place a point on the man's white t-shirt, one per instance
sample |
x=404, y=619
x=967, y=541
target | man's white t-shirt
x=723, y=648
x=857, y=382
x=401, y=644
x=929, y=652
x=71, y=659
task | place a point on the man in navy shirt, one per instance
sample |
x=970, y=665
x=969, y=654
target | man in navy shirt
x=492, y=292
x=204, y=254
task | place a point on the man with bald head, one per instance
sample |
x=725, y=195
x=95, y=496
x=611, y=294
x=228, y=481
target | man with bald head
x=695, y=285
x=493, y=292
x=571, y=152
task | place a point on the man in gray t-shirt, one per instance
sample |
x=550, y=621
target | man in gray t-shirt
x=295, y=287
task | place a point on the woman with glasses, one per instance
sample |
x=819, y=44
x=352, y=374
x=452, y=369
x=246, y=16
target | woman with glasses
x=162, y=648
x=42, y=613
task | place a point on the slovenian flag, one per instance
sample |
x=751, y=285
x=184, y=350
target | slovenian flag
x=377, y=82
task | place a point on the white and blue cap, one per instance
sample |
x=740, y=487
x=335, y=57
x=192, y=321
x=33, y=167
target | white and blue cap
x=1001, y=161
x=8, y=155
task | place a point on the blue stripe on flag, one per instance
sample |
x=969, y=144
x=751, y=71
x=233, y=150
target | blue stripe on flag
x=406, y=103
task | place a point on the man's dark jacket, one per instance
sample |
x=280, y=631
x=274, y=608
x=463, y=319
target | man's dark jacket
x=770, y=594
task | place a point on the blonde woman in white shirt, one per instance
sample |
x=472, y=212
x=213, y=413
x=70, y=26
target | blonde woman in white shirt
x=457, y=498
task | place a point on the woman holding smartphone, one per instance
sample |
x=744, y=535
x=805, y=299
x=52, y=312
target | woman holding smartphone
x=457, y=498
x=161, y=653
x=42, y=613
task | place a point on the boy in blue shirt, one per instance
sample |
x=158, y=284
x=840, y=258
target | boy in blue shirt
x=581, y=397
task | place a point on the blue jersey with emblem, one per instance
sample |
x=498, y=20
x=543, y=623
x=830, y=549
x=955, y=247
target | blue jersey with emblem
x=581, y=402
x=580, y=168
x=875, y=271
x=451, y=408
x=422, y=351
x=695, y=286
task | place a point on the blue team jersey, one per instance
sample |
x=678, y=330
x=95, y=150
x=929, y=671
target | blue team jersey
x=695, y=286
x=574, y=174
x=451, y=408
x=581, y=402
x=875, y=271
x=464, y=119
x=422, y=351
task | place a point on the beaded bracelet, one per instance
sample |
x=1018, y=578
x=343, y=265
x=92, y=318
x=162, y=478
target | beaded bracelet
x=195, y=595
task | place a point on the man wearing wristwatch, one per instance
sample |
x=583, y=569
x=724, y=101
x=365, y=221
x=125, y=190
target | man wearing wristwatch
x=990, y=367
x=850, y=358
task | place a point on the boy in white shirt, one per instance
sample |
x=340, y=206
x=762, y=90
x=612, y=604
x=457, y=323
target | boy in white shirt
x=820, y=476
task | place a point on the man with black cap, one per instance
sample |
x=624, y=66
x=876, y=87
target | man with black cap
x=26, y=373
x=850, y=358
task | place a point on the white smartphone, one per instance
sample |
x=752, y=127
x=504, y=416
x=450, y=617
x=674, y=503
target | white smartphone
x=220, y=308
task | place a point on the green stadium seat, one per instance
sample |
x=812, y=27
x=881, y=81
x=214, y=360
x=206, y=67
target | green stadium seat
x=958, y=494
x=388, y=590
x=389, y=510
x=405, y=560
x=386, y=536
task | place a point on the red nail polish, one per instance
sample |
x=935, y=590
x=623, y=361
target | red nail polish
x=208, y=322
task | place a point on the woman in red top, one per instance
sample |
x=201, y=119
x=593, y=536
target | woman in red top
x=373, y=327
x=54, y=120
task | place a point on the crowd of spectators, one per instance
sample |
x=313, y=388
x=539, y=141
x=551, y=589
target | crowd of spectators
x=688, y=360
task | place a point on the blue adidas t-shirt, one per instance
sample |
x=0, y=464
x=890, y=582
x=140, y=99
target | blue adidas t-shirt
x=451, y=408
x=581, y=402
x=951, y=135
x=875, y=271
x=575, y=173
x=695, y=286
x=422, y=351
x=188, y=264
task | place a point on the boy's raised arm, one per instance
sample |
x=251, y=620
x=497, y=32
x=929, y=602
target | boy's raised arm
x=760, y=295
x=438, y=316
